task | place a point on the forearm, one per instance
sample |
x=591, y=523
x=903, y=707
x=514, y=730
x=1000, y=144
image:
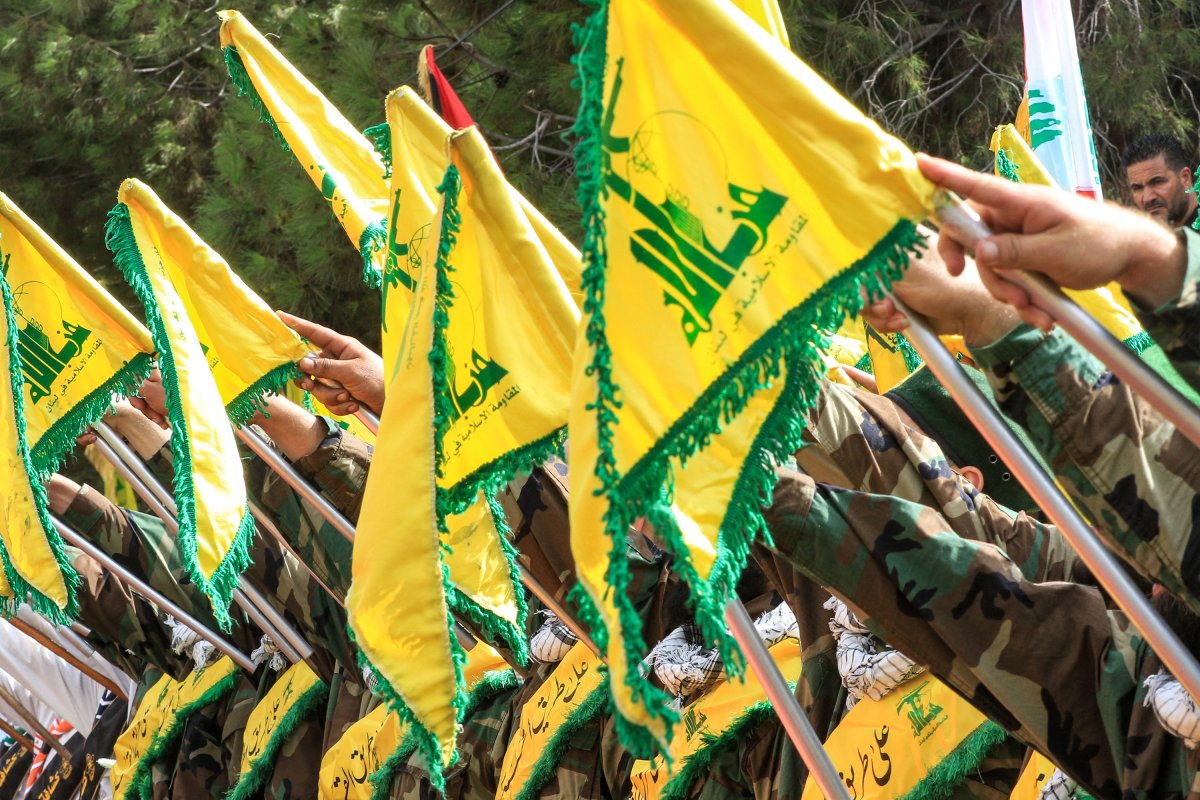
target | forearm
x=1127, y=469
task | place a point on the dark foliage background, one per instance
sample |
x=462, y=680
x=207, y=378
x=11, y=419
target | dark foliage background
x=94, y=91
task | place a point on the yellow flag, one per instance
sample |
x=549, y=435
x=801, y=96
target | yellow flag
x=920, y=739
x=79, y=346
x=339, y=160
x=1016, y=161
x=483, y=392
x=152, y=248
x=715, y=250
x=396, y=561
x=159, y=722
x=347, y=766
x=544, y=715
x=418, y=163
x=35, y=561
x=768, y=16
x=296, y=694
x=1033, y=778
x=707, y=722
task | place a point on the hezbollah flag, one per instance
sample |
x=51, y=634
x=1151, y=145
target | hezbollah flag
x=713, y=254
x=338, y=159
x=478, y=402
x=79, y=347
x=36, y=564
x=1056, y=111
x=155, y=250
x=76, y=347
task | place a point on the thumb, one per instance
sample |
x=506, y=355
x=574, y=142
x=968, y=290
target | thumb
x=327, y=368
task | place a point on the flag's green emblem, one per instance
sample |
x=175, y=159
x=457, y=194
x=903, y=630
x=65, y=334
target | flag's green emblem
x=693, y=722
x=42, y=362
x=1044, y=124
x=694, y=271
x=403, y=258
x=921, y=712
x=329, y=191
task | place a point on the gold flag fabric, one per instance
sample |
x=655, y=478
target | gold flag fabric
x=337, y=158
x=347, y=766
x=483, y=393
x=768, y=16
x=397, y=561
x=920, y=740
x=1016, y=161
x=540, y=724
x=1034, y=777
x=714, y=253
x=153, y=249
x=707, y=722
x=159, y=722
x=297, y=693
x=79, y=346
x=34, y=558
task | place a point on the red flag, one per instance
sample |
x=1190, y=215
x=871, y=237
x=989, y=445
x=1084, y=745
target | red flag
x=439, y=93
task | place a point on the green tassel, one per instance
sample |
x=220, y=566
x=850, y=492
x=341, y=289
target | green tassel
x=164, y=738
x=697, y=765
x=254, y=397
x=245, y=88
x=1006, y=167
x=944, y=778
x=864, y=364
x=58, y=441
x=372, y=242
x=547, y=762
x=640, y=492
x=422, y=738
x=1196, y=188
x=381, y=139
x=20, y=586
x=121, y=242
x=490, y=685
x=912, y=359
x=1139, y=342
x=260, y=768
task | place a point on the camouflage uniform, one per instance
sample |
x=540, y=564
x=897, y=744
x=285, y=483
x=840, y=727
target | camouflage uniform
x=1175, y=326
x=125, y=628
x=1047, y=661
x=1127, y=469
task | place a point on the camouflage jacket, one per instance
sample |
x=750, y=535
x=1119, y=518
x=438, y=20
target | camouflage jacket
x=1175, y=326
x=1047, y=660
x=1127, y=469
x=126, y=628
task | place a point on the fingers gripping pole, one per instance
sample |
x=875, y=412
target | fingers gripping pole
x=961, y=222
x=784, y=703
x=1052, y=501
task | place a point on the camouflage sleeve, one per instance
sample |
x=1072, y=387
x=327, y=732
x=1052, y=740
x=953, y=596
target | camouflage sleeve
x=1175, y=326
x=140, y=543
x=862, y=441
x=1046, y=661
x=339, y=467
x=1124, y=466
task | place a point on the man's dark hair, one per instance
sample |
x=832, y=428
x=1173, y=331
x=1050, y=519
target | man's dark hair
x=1147, y=147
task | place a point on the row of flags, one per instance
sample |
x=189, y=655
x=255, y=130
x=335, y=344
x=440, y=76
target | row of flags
x=736, y=210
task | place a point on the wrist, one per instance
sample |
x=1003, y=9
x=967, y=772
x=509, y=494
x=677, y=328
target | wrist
x=1155, y=268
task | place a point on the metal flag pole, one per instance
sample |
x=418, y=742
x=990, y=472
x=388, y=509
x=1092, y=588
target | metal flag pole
x=1051, y=500
x=62, y=652
x=557, y=609
x=34, y=724
x=961, y=223
x=784, y=702
x=365, y=416
x=152, y=491
x=142, y=587
x=18, y=737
